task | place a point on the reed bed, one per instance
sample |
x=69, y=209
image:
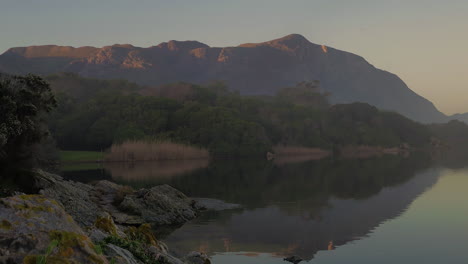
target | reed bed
x=131, y=151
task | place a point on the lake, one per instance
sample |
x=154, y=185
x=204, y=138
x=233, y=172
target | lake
x=386, y=209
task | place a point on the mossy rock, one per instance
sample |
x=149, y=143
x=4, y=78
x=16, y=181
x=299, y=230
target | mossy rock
x=143, y=233
x=106, y=224
x=30, y=224
x=4, y=224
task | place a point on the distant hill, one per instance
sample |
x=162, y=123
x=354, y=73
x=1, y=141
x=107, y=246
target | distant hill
x=460, y=117
x=254, y=68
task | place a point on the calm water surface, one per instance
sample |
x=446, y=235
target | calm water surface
x=380, y=210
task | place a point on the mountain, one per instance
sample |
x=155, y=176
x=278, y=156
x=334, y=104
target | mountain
x=460, y=117
x=253, y=68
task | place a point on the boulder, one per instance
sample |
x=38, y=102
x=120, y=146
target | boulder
x=160, y=205
x=197, y=258
x=75, y=197
x=120, y=255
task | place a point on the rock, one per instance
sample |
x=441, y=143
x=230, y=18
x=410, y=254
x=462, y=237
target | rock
x=97, y=235
x=104, y=226
x=168, y=259
x=293, y=259
x=214, y=204
x=75, y=197
x=120, y=255
x=32, y=223
x=197, y=258
x=110, y=213
x=160, y=205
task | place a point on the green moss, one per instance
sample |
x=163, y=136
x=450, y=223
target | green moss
x=35, y=259
x=58, y=260
x=98, y=249
x=25, y=202
x=106, y=224
x=32, y=197
x=67, y=239
x=31, y=259
x=95, y=259
x=137, y=242
x=143, y=233
x=68, y=242
x=4, y=224
x=81, y=156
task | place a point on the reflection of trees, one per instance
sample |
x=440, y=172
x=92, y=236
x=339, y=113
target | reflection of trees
x=258, y=183
x=284, y=226
x=453, y=157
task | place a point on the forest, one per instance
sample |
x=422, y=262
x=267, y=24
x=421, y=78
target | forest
x=94, y=114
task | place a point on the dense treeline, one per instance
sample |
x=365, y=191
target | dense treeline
x=94, y=114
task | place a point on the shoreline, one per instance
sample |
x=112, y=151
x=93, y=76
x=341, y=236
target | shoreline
x=105, y=216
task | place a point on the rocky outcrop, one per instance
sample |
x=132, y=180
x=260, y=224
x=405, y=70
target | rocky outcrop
x=160, y=205
x=75, y=197
x=120, y=255
x=111, y=223
x=197, y=258
x=34, y=227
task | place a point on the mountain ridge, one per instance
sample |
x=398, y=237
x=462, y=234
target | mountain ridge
x=250, y=68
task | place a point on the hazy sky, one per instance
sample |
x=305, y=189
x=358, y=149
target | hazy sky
x=425, y=42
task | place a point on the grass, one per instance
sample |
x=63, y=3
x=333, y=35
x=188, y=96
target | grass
x=80, y=166
x=152, y=151
x=80, y=156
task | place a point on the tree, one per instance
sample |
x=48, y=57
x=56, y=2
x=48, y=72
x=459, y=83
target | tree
x=24, y=100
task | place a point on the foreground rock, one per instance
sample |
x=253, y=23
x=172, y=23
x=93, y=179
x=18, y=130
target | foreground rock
x=160, y=205
x=116, y=218
x=72, y=222
x=75, y=197
x=34, y=227
x=197, y=258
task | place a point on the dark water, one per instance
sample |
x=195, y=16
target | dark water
x=381, y=210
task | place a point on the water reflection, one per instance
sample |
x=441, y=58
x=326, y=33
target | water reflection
x=297, y=208
x=152, y=172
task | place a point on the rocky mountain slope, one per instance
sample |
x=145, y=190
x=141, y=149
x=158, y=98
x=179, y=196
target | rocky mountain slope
x=253, y=68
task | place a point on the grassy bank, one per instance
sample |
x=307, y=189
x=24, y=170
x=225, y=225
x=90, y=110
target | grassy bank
x=80, y=156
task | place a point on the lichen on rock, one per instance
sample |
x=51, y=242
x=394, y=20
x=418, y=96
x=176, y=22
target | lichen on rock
x=34, y=222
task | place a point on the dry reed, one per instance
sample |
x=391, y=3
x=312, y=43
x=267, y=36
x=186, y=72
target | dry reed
x=151, y=151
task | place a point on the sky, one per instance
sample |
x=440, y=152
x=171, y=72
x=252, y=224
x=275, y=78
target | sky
x=425, y=42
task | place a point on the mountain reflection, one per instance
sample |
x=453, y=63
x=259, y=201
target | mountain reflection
x=298, y=208
x=289, y=207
